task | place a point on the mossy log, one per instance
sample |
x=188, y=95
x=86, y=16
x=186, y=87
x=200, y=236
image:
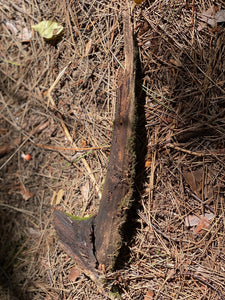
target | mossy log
x=97, y=241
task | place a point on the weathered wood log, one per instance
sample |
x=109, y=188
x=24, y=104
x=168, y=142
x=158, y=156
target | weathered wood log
x=76, y=237
x=97, y=241
x=118, y=188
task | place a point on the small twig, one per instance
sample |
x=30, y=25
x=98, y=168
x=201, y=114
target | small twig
x=143, y=217
x=87, y=167
x=205, y=283
x=152, y=175
x=59, y=148
x=54, y=84
x=27, y=212
x=200, y=201
x=199, y=154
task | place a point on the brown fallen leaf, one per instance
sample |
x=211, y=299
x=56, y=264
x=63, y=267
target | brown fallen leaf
x=171, y=273
x=138, y=1
x=211, y=17
x=149, y=295
x=190, y=179
x=204, y=223
x=85, y=190
x=88, y=47
x=74, y=273
x=176, y=62
x=53, y=198
x=26, y=194
x=84, y=143
x=20, y=30
x=59, y=196
x=148, y=161
x=208, y=16
x=34, y=233
x=194, y=179
x=193, y=220
x=220, y=16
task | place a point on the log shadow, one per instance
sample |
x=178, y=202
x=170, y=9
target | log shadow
x=9, y=284
x=131, y=225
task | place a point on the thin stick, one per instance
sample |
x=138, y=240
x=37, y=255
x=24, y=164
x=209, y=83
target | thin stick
x=68, y=134
x=143, y=217
x=200, y=201
x=199, y=154
x=27, y=212
x=59, y=148
x=86, y=165
x=54, y=84
x=11, y=156
x=205, y=283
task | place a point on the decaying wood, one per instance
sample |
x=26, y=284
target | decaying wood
x=97, y=241
x=76, y=239
x=117, y=192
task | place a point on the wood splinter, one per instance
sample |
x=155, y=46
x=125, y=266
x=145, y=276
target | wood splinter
x=97, y=241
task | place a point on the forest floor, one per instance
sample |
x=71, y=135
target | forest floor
x=57, y=104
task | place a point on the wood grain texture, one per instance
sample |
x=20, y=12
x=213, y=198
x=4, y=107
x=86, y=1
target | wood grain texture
x=118, y=188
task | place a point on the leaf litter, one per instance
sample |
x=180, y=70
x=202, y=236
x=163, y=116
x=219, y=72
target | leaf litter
x=19, y=29
x=212, y=17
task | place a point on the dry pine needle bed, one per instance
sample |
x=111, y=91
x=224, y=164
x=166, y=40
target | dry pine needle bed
x=58, y=103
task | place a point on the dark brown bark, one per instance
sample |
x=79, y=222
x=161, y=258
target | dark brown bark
x=117, y=192
x=98, y=240
x=76, y=239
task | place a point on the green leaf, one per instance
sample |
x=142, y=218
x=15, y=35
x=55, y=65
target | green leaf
x=48, y=29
